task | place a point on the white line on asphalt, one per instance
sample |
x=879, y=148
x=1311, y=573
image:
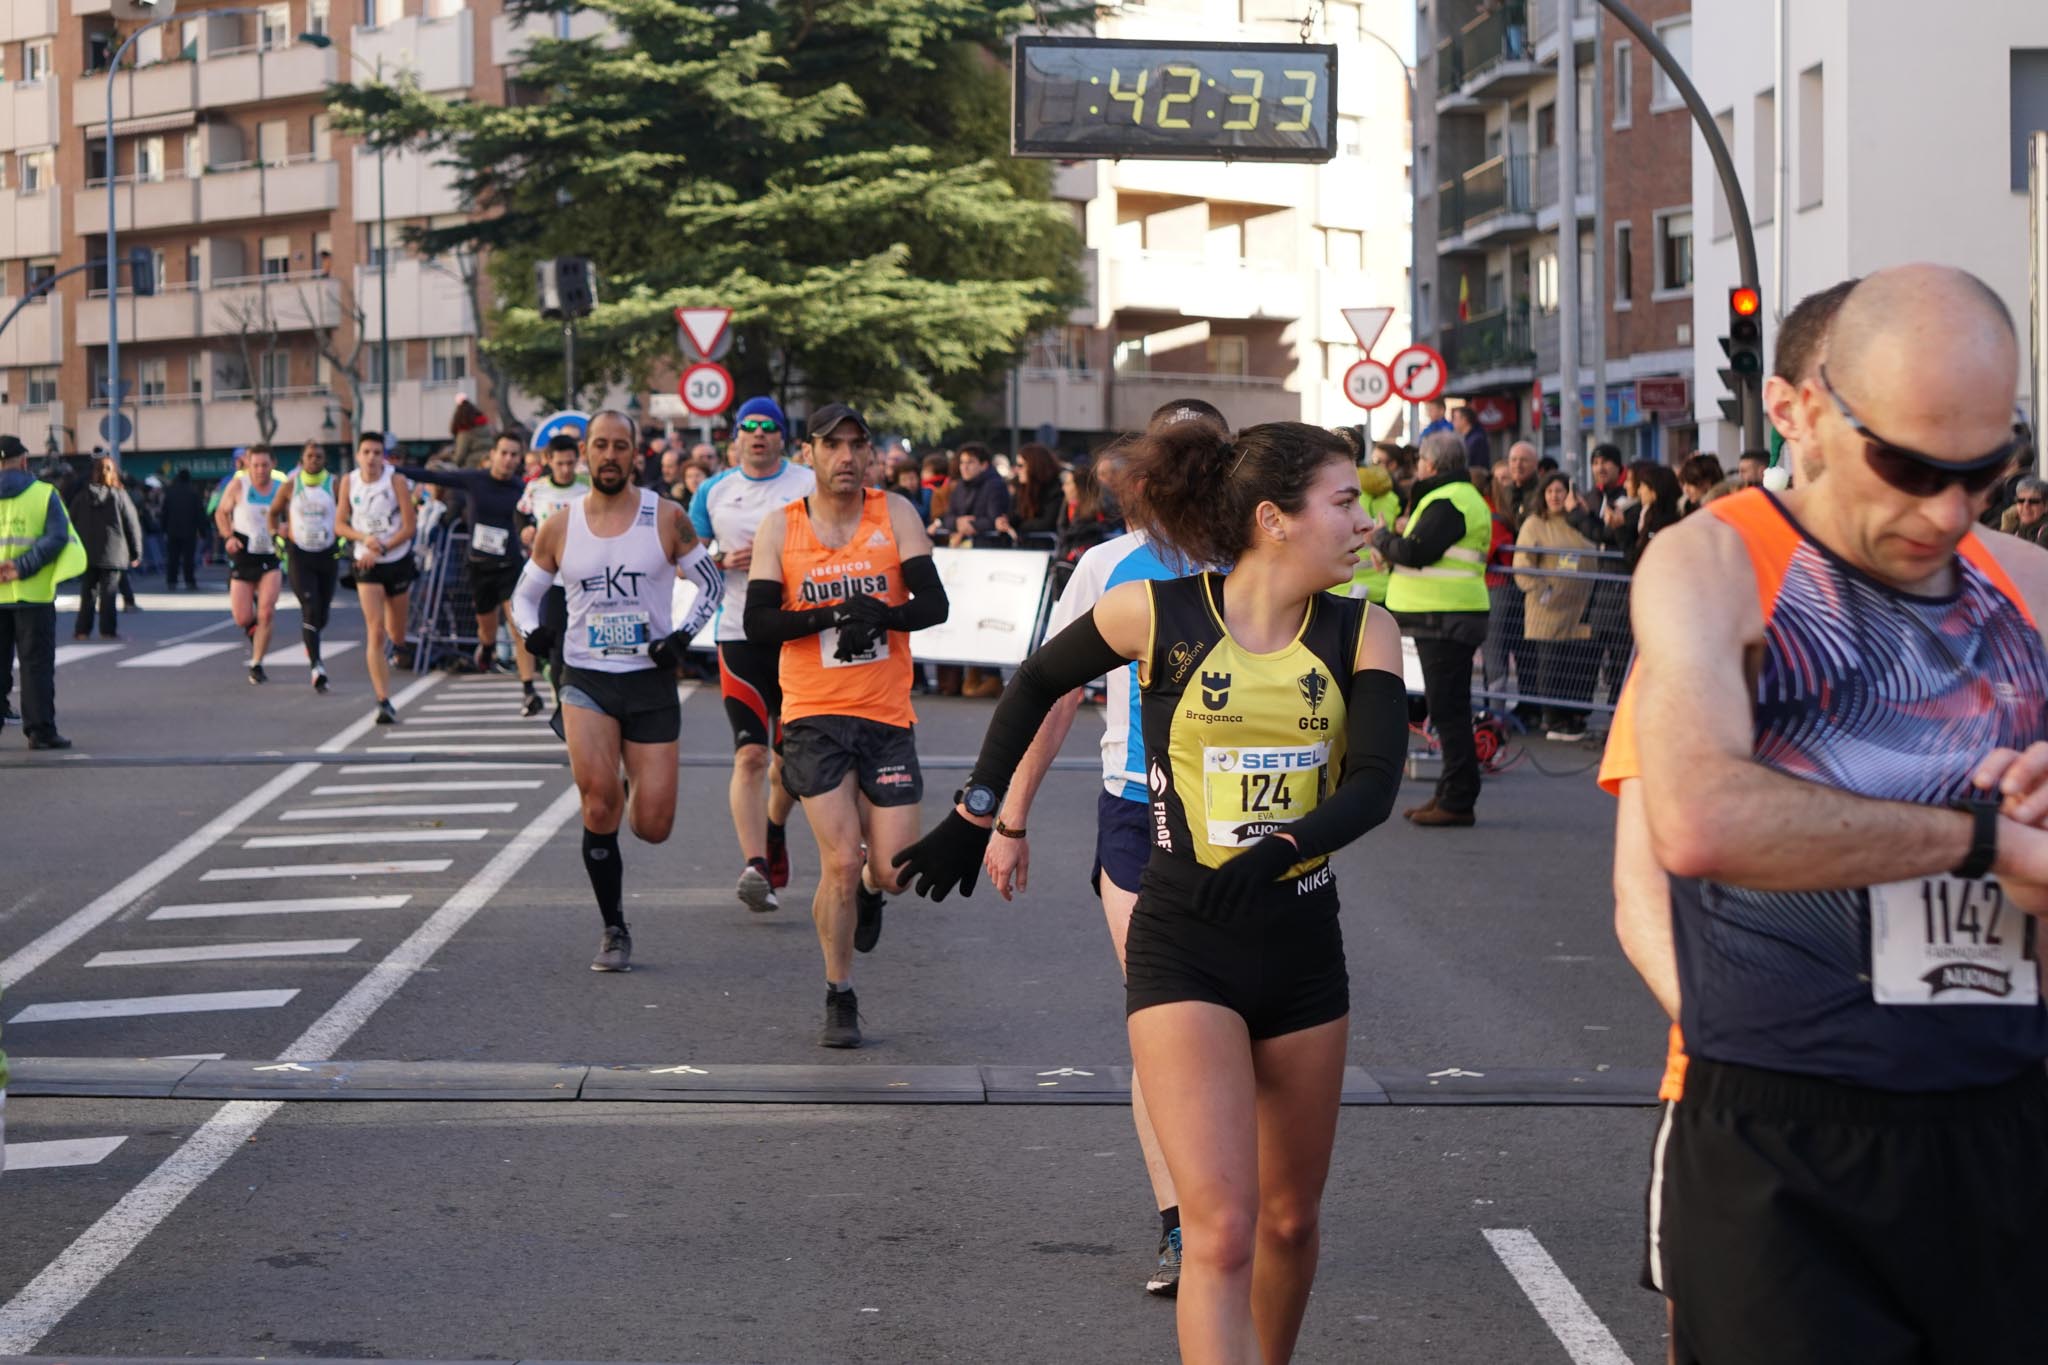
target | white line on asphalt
x=364, y=769
x=203, y=630
x=224, y=952
x=307, y=906
x=64, y=1283
x=524, y=784
x=43, y=1156
x=193, y=1057
x=441, y=808
x=135, y=1007
x=76, y=653
x=505, y=715
x=293, y=655
x=175, y=656
x=1585, y=1338
x=382, y=836
x=83, y=921
x=456, y=710
x=512, y=731
x=403, y=747
x=297, y=871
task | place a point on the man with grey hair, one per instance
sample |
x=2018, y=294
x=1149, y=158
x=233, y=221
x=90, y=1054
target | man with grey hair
x=2030, y=500
x=1438, y=594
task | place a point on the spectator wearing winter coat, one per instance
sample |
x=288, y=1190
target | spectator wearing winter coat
x=111, y=532
x=979, y=497
x=1554, y=609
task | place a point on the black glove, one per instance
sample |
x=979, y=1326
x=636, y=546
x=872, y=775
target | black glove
x=668, y=651
x=1232, y=886
x=541, y=641
x=864, y=610
x=854, y=641
x=949, y=856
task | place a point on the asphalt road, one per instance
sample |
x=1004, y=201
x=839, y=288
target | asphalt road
x=176, y=834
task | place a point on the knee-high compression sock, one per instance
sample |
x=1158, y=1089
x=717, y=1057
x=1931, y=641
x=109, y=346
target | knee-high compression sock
x=607, y=878
x=310, y=636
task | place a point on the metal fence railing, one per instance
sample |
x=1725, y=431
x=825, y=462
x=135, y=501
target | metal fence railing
x=1558, y=637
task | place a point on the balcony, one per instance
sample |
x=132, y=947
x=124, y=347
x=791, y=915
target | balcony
x=1244, y=182
x=1491, y=58
x=228, y=418
x=1489, y=204
x=251, y=189
x=1072, y=400
x=29, y=222
x=34, y=424
x=170, y=315
x=164, y=423
x=84, y=8
x=428, y=299
x=139, y=205
x=28, y=114
x=1548, y=192
x=1544, y=32
x=1246, y=399
x=1492, y=348
x=416, y=185
x=246, y=75
x=1201, y=287
x=36, y=336
x=27, y=19
x=291, y=303
x=440, y=52
x=153, y=91
x=511, y=33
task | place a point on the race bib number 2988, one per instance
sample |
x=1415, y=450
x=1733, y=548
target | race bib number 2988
x=1946, y=941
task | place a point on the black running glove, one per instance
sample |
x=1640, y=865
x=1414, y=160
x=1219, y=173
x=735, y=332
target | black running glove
x=541, y=641
x=854, y=641
x=1231, y=887
x=864, y=610
x=668, y=651
x=949, y=856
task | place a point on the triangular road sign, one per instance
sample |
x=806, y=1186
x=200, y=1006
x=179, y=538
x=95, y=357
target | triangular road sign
x=1368, y=323
x=704, y=326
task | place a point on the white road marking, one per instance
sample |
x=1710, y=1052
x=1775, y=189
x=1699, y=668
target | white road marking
x=363, y=769
x=294, y=871
x=77, y=653
x=63, y=1284
x=496, y=707
x=223, y=952
x=444, y=808
x=184, y=604
x=554, y=748
x=83, y=921
x=1585, y=1338
x=293, y=655
x=382, y=836
x=524, y=784
x=43, y=1156
x=512, y=731
x=135, y=1007
x=176, y=656
x=308, y=906
x=505, y=716
x=193, y=1057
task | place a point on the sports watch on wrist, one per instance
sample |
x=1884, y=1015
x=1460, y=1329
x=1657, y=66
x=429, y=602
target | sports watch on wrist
x=980, y=802
x=1982, y=807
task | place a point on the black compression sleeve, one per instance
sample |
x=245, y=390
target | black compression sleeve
x=1376, y=735
x=1075, y=657
x=927, y=605
x=767, y=623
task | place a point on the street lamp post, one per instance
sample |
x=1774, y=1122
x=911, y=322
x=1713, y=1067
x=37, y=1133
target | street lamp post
x=1414, y=207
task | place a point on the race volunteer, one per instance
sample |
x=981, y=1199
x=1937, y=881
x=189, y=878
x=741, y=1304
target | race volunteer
x=618, y=553
x=38, y=550
x=1275, y=727
x=838, y=580
x=303, y=515
x=496, y=550
x=254, y=575
x=375, y=509
x=1123, y=838
x=1831, y=685
x=727, y=510
x=561, y=484
x=1438, y=594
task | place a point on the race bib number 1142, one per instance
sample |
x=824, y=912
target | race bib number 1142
x=1946, y=941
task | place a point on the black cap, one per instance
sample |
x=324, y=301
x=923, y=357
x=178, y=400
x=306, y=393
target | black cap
x=11, y=448
x=831, y=415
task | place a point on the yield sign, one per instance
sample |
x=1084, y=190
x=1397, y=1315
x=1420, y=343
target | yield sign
x=704, y=326
x=1368, y=323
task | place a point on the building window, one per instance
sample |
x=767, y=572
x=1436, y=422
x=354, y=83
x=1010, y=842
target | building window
x=271, y=140
x=377, y=351
x=1229, y=355
x=323, y=253
x=1674, y=251
x=192, y=266
x=195, y=161
x=1343, y=249
x=42, y=387
x=1624, y=84
x=37, y=170
x=39, y=272
x=152, y=379
x=373, y=12
x=149, y=158
x=1350, y=135
x=1426, y=308
x=447, y=360
x=195, y=375
x=1624, y=264
x=1763, y=139
x=277, y=370
x=1813, y=156
x=1675, y=34
x=316, y=16
x=35, y=61
x=273, y=27
x=277, y=255
x=1543, y=279
x=1130, y=355
x=322, y=138
x=442, y=9
x=1546, y=125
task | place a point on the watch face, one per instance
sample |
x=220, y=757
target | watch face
x=980, y=801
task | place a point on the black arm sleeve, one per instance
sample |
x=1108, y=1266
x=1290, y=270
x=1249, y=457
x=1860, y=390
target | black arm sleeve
x=1439, y=528
x=1075, y=657
x=441, y=478
x=927, y=605
x=767, y=623
x=1376, y=734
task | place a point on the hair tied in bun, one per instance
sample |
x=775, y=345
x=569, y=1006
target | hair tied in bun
x=1225, y=450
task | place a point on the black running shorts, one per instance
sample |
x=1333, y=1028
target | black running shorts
x=819, y=751
x=750, y=679
x=395, y=578
x=491, y=582
x=1123, y=842
x=248, y=568
x=643, y=702
x=1795, y=1220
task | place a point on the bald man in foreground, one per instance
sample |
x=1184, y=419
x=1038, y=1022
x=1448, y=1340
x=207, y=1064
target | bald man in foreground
x=1842, y=703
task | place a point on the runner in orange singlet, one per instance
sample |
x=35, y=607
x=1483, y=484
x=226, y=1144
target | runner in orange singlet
x=839, y=579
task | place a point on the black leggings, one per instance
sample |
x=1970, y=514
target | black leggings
x=313, y=575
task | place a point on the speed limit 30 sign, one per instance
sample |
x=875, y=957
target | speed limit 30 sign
x=1368, y=384
x=706, y=389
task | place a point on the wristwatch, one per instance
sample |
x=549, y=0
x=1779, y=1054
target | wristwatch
x=980, y=802
x=1982, y=807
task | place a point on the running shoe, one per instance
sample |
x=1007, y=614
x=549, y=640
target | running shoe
x=755, y=891
x=532, y=706
x=1165, y=1281
x=257, y=675
x=387, y=714
x=778, y=861
x=319, y=679
x=616, y=952
x=842, y=1020
x=485, y=659
x=868, y=931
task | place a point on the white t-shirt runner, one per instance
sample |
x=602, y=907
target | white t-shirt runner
x=728, y=510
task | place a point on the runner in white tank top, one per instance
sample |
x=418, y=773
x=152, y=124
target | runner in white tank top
x=243, y=519
x=619, y=552
x=375, y=510
x=305, y=509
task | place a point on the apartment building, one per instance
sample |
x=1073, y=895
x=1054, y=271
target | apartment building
x=260, y=222
x=1870, y=177
x=1493, y=230
x=1227, y=281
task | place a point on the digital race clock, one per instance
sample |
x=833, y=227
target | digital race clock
x=1103, y=97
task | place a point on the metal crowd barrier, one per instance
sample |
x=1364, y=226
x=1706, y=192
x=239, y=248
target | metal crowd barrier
x=1568, y=677
x=442, y=620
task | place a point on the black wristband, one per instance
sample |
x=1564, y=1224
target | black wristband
x=1983, y=810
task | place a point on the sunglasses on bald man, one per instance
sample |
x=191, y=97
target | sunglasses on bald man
x=1921, y=475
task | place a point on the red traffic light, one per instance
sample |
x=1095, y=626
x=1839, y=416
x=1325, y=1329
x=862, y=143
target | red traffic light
x=1745, y=302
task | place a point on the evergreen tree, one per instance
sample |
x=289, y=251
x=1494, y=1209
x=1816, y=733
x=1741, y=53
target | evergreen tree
x=834, y=171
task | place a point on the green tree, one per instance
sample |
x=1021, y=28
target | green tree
x=834, y=171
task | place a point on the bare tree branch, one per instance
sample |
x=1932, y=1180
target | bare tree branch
x=345, y=362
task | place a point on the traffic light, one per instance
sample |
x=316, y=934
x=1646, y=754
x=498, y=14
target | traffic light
x=1744, y=347
x=567, y=287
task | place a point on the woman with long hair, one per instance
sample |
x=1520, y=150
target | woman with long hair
x=1554, y=623
x=1275, y=725
x=1034, y=494
x=108, y=526
x=1661, y=504
x=1083, y=523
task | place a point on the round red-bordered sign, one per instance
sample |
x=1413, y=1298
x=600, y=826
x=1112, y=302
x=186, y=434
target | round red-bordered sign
x=1368, y=384
x=706, y=388
x=1419, y=373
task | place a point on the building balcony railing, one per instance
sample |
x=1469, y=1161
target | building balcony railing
x=170, y=314
x=1492, y=200
x=1493, y=55
x=257, y=189
x=1493, y=341
x=140, y=203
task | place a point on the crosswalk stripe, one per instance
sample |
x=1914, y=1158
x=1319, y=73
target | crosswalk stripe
x=382, y=836
x=293, y=654
x=449, y=808
x=297, y=870
x=456, y=766
x=539, y=727
x=409, y=747
x=135, y=1007
x=524, y=784
x=44, y=1156
x=177, y=656
x=301, y=906
x=225, y=952
x=76, y=653
x=504, y=715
